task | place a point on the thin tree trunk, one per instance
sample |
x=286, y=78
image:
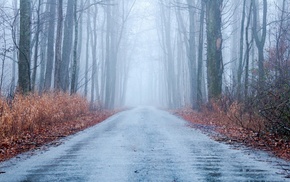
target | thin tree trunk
x=260, y=40
x=43, y=49
x=36, y=46
x=80, y=44
x=3, y=62
x=15, y=53
x=279, y=44
x=200, y=55
x=94, y=58
x=192, y=55
x=87, y=50
x=103, y=59
x=50, y=45
x=75, y=56
x=57, y=77
x=247, y=57
x=240, y=67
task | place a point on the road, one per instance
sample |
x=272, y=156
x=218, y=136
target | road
x=142, y=144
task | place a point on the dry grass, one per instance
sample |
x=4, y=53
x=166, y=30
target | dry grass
x=28, y=122
x=31, y=112
x=235, y=116
x=238, y=126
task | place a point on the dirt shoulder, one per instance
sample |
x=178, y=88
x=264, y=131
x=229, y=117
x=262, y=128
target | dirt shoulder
x=221, y=130
x=10, y=147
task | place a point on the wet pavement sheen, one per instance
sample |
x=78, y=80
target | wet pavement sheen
x=143, y=144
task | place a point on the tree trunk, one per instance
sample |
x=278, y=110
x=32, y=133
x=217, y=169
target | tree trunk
x=24, y=82
x=108, y=58
x=192, y=55
x=15, y=53
x=103, y=60
x=80, y=44
x=214, y=48
x=111, y=58
x=247, y=57
x=260, y=39
x=240, y=67
x=75, y=56
x=200, y=56
x=57, y=77
x=169, y=59
x=94, y=85
x=37, y=33
x=67, y=46
x=50, y=45
x=281, y=39
x=87, y=50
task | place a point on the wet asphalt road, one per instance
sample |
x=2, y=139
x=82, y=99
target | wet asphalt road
x=143, y=144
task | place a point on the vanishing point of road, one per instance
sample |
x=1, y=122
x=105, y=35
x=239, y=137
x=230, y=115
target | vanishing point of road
x=142, y=144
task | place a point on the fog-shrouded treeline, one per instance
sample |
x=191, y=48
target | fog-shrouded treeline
x=228, y=50
x=66, y=45
x=170, y=53
x=230, y=53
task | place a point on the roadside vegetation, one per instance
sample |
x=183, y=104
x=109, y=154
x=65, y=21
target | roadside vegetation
x=254, y=106
x=30, y=121
x=261, y=121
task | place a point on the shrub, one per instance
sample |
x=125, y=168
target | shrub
x=275, y=107
x=30, y=112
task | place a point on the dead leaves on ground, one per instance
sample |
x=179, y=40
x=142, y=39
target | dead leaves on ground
x=10, y=147
x=28, y=122
x=231, y=132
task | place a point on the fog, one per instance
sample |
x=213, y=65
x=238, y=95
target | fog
x=145, y=64
x=143, y=52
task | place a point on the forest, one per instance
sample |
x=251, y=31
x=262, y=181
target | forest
x=224, y=59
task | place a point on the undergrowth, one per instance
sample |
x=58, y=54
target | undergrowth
x=243, y=123
x=32, y=121
x=32, y=112
x=235, y=114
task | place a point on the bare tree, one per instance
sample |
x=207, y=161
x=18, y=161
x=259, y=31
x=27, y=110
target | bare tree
x=192, y=55
x=214, y=48
x=24, y=81
x=109, y=67
x=67, y=46
x=15, y=30
x=50, y=44
x=87, y=50
x=260, y=38
x=200, y=55
x=94, y=77
x=74, y=78
x=241, y=52
x=57, y=76
x=36, y=47
x=247, y=54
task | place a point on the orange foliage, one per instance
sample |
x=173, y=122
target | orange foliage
x=27, y=113
x=237, y=126
x=27, y=122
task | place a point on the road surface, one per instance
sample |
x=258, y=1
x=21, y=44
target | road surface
x=143, y=144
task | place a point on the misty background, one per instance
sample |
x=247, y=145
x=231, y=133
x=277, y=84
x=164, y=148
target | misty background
x=166, y=53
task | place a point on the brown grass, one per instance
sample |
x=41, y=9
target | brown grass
x=238, y=126
x=29, y=113
x=28, y=122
